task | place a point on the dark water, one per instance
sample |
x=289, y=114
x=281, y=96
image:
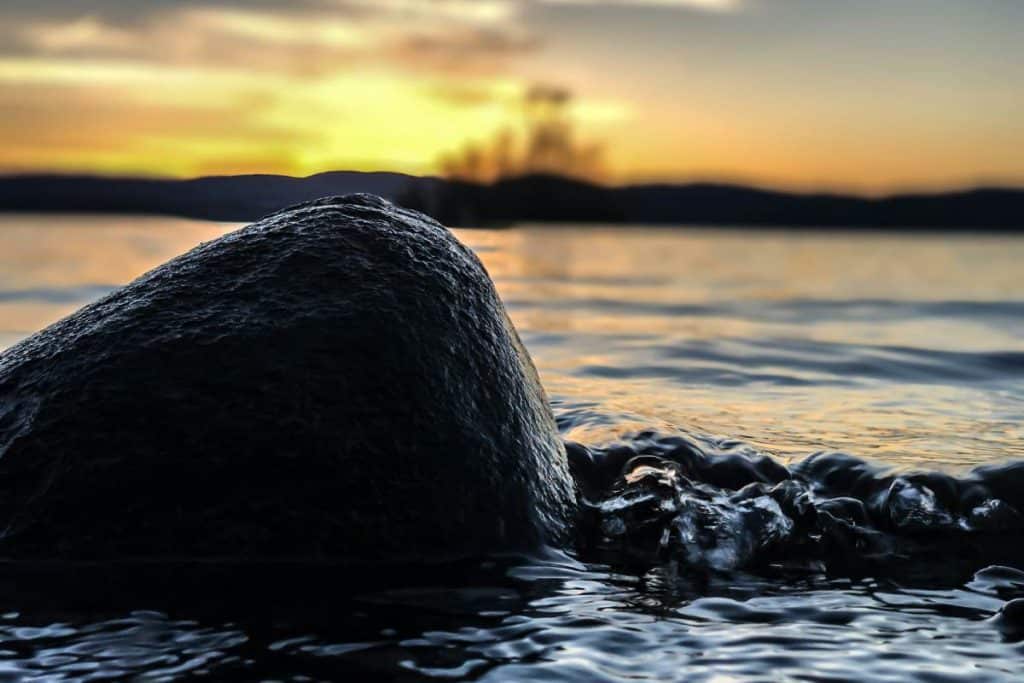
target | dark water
x=538, y=619
x=697, y=371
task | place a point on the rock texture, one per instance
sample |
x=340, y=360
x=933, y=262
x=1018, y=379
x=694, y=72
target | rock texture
x=339, y=380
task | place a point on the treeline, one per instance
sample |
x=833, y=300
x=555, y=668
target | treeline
x=510, y=200
x=558, y=199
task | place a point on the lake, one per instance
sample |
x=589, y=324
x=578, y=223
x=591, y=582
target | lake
x=905, y=349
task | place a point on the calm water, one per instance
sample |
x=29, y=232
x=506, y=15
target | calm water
x=908, y=350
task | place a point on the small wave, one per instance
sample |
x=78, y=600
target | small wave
x=720, y=506
x=695, y=375
x=790, y=310
x=57, y=295
x=787, y=361
x=838, y=363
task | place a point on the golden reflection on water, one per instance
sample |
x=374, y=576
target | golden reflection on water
x=591, y=299
x=64, y=252
x=883, y=345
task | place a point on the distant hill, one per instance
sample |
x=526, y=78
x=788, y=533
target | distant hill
x=229, y=198
x=528, y=198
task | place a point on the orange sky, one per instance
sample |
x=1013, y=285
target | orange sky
x=865, y=95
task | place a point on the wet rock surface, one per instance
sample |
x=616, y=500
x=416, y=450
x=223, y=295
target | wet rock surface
x=338, y=380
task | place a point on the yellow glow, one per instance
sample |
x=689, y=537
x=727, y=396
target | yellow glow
x=397, y=84
x=370, y=119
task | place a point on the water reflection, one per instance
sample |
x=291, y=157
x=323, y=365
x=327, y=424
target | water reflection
x=903, y=347
x=906, y=348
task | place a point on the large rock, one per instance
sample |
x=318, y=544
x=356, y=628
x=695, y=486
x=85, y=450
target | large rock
x=338, y=380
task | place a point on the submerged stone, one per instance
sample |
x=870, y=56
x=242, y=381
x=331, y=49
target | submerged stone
x=339, y=380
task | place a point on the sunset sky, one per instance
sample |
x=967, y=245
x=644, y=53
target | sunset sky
x=865, y=95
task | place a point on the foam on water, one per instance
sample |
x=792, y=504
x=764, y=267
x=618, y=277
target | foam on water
x=666, y=498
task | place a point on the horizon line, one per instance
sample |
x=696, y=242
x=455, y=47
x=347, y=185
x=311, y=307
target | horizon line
x=691, y=181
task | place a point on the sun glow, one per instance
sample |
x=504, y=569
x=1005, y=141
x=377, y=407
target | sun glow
x=666, y=89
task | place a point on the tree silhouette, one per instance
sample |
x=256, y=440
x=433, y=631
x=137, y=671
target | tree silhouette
x=547, y=145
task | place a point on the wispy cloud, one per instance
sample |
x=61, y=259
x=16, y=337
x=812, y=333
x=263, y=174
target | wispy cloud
x=300, y=37
x=701, y=5
x=311, y=36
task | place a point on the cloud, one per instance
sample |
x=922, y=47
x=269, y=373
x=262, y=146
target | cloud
x=82, y=33
x=702, y=5
x=300, y=37
x=305, y=37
